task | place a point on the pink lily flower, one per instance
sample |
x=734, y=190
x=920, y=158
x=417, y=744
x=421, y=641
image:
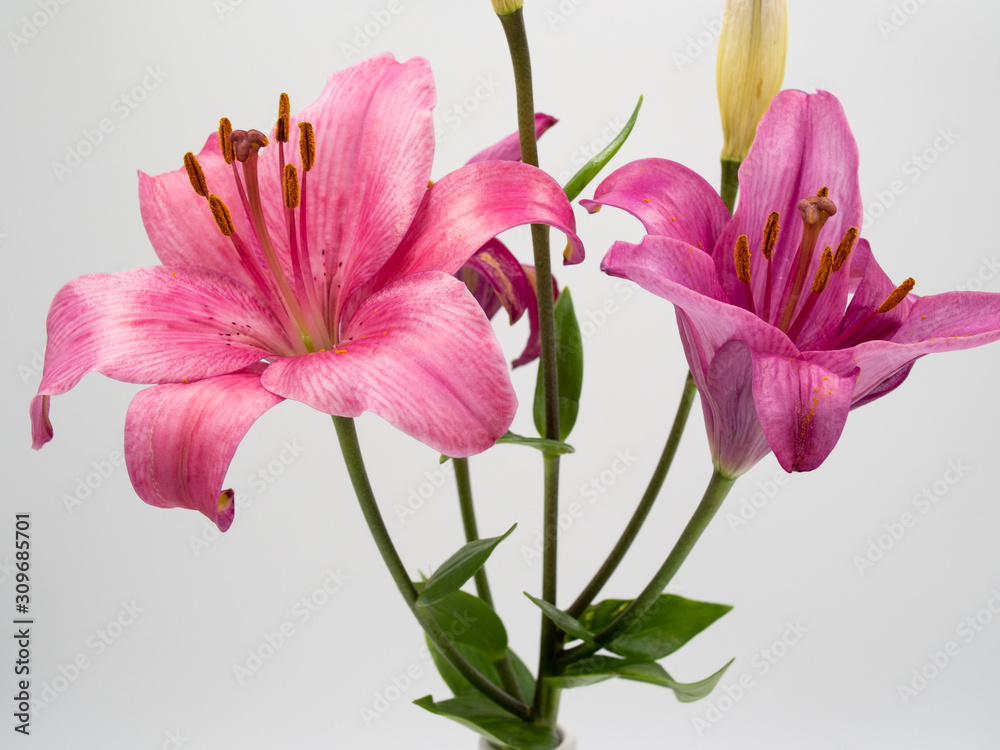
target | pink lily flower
x=783, y=342
x=494, y=276
x=336, y=290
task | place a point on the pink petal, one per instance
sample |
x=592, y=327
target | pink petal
x=180, y=440
x=421, y=354
x=668, y=198
x=509, y=149
x=467, y=208
x=734, y=431
x=503, y=272
x=803, y=143
x=872, y=290
x=151, y=325
x=533, y=347
x=802, y=408
x=374, y=148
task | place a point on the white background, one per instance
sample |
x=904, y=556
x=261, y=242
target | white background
x=904, y=71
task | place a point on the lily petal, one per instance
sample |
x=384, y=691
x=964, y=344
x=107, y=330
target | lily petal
x=421, y=354
x=668, y=198
x=802, y=408
x=151, y=325
x=509, y=149
x=181, y=438
x=503, y=272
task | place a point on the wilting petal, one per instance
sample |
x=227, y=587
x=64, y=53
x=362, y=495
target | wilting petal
x=803, y=143
x=509, y=149
x=152, y=325
x=498, y=266
x=668, y=198
x=421, y=354
x=734, y=432
x=464, y=209
x=801, y=406
x=533, y=347
x=180, y=440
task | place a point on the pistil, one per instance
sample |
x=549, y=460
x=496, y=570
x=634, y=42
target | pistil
x=820, y=281
x=815, y=211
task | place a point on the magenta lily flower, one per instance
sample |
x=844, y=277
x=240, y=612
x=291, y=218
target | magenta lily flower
x=494, y=276
x=779, y=348
x=322, y=273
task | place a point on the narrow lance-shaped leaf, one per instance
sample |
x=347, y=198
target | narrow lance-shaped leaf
x=569, y=358
x=596, y=669
x=567, y=623
x=492, y=722
x=459, y=568
x=589, y=170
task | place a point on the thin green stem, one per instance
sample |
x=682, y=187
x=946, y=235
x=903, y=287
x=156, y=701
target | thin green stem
x=715, y=493
x=464, y=482
x=645, y=504
x=546, y=697
x=730, y=183
x=348, y=437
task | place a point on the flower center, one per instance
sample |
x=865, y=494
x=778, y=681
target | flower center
x=295, y=298
x=794, y=312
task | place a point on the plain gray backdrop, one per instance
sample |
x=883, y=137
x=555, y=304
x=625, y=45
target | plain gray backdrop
x=821, y=643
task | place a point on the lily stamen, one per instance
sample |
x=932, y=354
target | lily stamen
x=820, y=281
x=742, y=253
x=897, y=296
x=768, y=242
x=844, y=248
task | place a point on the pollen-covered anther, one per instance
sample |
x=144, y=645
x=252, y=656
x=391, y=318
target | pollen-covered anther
x=247, y=143
x=291, y=186
x=816, y=208
x=823, y=272
x=770, y=235
x=221, y=215
x=282, y=126
x=823, y=192
x=226, y=145
x=844, y=248
x=897, y=296
x=307, y=145
x=742, y=254
x=195, y=174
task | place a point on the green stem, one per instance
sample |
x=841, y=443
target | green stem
x=546, y=698
x=348, y=437
x=715, y=493
x=645, y=504
x=730, y=183
x=464, y=482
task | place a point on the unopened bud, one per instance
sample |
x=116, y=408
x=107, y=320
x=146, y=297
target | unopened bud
x=506, y=7
x=749, y=68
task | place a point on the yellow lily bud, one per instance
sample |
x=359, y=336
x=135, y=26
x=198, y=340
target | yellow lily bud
x=749, y=68
x=505, y=7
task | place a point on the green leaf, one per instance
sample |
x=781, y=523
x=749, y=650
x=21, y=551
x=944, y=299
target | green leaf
x=589, y=170
x=487, y=666
x=548, y=446
x=569, y=359
x=459, y=568
x=666, y=626
x=596, y=669
x=492, y=722
x=468, y=619
x=566, y=623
